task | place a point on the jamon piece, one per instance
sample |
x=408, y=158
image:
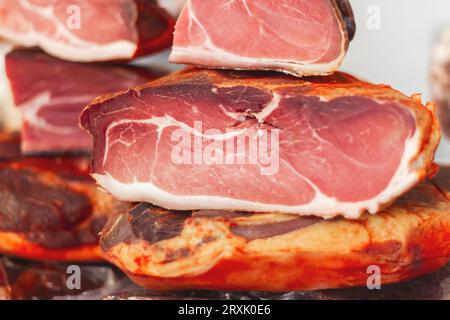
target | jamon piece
x=324, y=146
x=172, y=6
x=167, y=250
x=307, y=37
x=50, y=209
x=51, y=94
x=86, y=31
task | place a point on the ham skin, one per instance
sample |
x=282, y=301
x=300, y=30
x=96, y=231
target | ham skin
x=172, y=250
x=345, y=146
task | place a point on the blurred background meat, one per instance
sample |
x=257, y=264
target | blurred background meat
x=50, y=94
x=435, y=286
x=440, y=79
x=95, y=30
x=50, y=208
x=172, y=6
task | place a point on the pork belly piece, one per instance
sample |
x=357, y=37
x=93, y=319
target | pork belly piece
x=299, y=37
x=50, y=209
x=86, y=31
x=51, y=93
x=264, y=142
x=168, y=250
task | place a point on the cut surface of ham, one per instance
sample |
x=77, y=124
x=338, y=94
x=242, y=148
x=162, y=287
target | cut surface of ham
x=51, y=93
x=306, y=37
x=330, y=145
x=95, y=30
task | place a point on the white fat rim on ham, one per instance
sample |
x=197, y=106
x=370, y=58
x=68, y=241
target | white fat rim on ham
x=10, y=119
x=405, y=178
x=122, y=49
x=293, y=68
x=172, y=6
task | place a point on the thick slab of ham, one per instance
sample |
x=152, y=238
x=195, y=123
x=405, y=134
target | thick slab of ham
x=51, y=94
x=344, y=146
x=299, y=37
x=95, y=30
x=173, y=250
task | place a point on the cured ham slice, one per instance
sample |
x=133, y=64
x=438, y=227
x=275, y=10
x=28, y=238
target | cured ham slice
x=51, y=93
x=306, y=37
x=95, y=30
x=249, y=141
x=171, y=250
x=50, y=209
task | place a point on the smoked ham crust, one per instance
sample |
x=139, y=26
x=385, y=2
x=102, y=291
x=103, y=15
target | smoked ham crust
x=50, y=209
x=360, y=132
x=168, y=250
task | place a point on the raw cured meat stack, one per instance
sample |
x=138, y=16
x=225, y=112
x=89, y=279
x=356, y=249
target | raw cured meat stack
x=268, y=170
x=50, y=207
x=260, y=167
